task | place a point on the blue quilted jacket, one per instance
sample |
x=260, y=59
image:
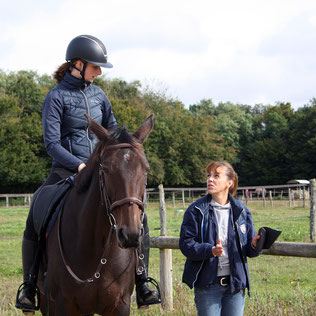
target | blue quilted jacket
x=67, y=137
x=199, y=233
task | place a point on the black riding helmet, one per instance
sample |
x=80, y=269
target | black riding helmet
x=89, y=49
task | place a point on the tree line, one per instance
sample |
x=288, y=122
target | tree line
x=267, y=144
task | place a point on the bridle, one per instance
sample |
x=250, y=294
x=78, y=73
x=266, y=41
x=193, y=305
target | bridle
x=104, y=195
x=109, y=208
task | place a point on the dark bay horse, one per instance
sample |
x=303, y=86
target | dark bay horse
x=91, y=250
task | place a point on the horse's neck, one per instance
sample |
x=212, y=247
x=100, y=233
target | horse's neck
x=86, y=218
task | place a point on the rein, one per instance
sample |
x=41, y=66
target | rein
x=109, y=208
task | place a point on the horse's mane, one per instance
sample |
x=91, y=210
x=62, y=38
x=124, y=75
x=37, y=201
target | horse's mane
x=118, y=135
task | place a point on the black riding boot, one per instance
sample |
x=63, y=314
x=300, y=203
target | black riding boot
x=27, y=300
x=144, y=295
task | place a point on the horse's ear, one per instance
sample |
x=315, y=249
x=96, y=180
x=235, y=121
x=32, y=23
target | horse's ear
x=100, y=132
x=142, y=133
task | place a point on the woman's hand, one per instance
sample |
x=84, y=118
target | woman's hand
x=218, y=250
x=81, y=166
x=255, y=240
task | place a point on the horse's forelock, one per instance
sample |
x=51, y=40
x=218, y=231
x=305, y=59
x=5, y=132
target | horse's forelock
x=120, y=135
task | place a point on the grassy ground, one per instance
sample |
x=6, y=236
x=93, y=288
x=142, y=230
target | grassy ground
x=280, y=285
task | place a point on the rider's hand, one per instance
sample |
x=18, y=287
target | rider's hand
x=81, y=166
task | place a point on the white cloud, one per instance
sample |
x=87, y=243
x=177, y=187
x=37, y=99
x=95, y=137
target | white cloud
x=226, y=50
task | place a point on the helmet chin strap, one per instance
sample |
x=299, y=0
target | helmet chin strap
x=81, y=71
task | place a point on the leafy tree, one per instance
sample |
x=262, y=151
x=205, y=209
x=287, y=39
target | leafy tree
x=264, y=160
x=204, y=107
x=302, y=149
x=119, y=89
x=23, y=160
x=183, y=141
x=25, y=86
x=266, y=144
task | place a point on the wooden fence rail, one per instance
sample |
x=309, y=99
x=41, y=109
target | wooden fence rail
x=291, y=249
x=27, y=197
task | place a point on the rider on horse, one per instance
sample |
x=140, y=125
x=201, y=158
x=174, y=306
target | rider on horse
x=69, y=142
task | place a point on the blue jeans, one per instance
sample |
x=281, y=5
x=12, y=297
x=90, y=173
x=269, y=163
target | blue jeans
x=217, y=300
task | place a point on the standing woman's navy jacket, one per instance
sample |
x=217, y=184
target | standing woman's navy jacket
x=199, y=233
x=65, y=129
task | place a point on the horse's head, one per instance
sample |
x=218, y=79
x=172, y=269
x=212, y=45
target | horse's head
x=122, y=175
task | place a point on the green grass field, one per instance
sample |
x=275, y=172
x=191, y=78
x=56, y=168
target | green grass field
x=280, y=285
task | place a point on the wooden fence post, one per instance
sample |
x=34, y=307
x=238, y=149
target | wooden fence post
x=313, y=210
x=304, y=192
x=264, y=197
x=165, y=257
x=183, y=199
x=290, y=198
x=271, y=199
x=174, y=199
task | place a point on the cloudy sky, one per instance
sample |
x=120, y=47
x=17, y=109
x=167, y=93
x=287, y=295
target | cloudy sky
x=244, y=51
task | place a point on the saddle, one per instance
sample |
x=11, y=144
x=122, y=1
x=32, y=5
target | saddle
x=46, y=200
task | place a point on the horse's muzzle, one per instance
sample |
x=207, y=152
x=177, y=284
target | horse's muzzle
x=127, y=238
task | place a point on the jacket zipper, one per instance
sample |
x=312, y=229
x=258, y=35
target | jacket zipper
x=242, y=258
x=87, y=129
x=69, y=143
x=202, y=223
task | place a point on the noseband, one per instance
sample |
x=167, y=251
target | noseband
x=104, y=195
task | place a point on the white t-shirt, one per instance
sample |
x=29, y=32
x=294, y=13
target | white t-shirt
x=222, y=217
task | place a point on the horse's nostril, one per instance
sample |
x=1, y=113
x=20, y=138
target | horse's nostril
x=128, y=239
x=122, y=234
x=141, y=232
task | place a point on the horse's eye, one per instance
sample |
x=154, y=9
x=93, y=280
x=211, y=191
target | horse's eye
x=105, y=169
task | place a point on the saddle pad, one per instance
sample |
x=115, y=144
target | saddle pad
x=45, y=201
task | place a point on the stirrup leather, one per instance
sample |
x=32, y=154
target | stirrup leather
x=25, y=306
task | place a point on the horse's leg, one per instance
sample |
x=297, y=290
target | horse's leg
x=43, y=307
x=65, y=308
x=121, y=310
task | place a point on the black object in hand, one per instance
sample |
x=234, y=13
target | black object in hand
x=267, y=237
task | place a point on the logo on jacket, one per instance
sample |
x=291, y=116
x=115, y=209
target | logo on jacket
x=243, y=228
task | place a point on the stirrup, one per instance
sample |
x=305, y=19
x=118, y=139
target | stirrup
x=24, y=306
x=153, y=301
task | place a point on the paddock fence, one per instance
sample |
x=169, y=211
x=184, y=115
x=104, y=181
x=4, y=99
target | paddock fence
x=290, y=194
x=17, y=199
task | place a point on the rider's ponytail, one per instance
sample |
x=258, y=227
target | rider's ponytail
x=62, y=69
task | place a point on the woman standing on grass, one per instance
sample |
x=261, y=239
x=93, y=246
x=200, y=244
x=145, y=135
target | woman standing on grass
x=217, y=235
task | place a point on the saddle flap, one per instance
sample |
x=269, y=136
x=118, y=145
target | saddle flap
x=45, y=200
